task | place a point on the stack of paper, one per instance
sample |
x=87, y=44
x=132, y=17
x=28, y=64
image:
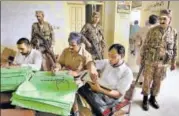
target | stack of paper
x=11, y=78
x=47, y=93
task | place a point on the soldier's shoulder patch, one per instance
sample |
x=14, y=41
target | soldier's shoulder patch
x=156, y=27
x=87, y=24
x=46, y=22
x=35, y=23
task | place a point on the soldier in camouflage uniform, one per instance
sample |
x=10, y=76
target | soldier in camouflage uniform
x=43, y=40
x=158, y=51
x=93, y=37
x=138, y=40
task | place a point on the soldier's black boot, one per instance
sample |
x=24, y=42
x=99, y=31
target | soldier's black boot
x=153, y=102
x=145, y=104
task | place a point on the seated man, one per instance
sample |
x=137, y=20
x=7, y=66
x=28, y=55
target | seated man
x=27, y=57
x=74, y=58
x=115, y=75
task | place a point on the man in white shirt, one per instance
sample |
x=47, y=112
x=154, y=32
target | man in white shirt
x=115, y=74
x=27, y=57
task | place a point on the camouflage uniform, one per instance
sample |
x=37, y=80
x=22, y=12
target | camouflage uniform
x=46, y=31
x=159, y=49
x=94, y=35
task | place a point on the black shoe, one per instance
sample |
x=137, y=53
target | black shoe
x=153, y=102
x=145, y=104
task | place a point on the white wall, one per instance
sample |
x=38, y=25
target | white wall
x=135, y=15
x=122, y=28
x=116, y=26
x=174, y=6
x=17, y=18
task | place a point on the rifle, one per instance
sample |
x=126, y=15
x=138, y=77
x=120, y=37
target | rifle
x=46, y=45
x=44, y=42
x=93, y=44
x=98, y=53
x=139, y=73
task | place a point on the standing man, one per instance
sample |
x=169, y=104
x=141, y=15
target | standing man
x=134, y=28
x=139, y=37
x=158, y=51
x=43, y=40
x=93, y=37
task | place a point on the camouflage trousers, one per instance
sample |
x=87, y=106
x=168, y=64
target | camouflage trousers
x=153, y=75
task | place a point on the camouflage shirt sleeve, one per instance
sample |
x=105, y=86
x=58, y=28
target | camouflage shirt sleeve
x=52, y=35
x=145, y=45
x=32, y=31
x=84, y=39
x=84, y=29
x=103, y=42
x=174, y=48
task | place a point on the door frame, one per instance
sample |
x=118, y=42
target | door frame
x=90, y=3
x=74, y=3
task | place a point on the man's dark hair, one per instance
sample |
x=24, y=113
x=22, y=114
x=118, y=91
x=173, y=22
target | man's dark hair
x=76, y=37
x=153, y=19
x=23, y=41
x=119, y=48
x=136, y=22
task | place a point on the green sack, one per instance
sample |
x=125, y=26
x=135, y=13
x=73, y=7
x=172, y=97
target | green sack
x=43, y=88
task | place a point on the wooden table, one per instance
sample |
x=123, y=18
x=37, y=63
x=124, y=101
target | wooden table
x=17, y=112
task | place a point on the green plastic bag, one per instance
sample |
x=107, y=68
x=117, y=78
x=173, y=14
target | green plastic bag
x=43, y=89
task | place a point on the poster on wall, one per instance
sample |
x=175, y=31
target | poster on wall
x=124, y=7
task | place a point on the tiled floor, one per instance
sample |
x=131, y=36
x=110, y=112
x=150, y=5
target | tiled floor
x=168, y=97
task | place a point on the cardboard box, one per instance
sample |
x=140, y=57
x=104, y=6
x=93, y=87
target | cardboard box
x=6, y=53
